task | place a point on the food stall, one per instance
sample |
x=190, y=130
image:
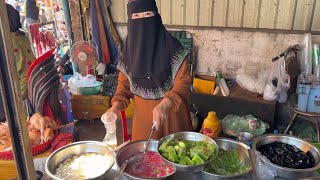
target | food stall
x=211, y=152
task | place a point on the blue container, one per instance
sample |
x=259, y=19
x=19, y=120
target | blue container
x=308, y=98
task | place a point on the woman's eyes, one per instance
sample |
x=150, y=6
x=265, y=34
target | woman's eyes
x=148, y=14
x=141, y=15
x=135, y=15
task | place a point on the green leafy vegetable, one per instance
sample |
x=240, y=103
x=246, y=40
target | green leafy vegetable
x=226, y=163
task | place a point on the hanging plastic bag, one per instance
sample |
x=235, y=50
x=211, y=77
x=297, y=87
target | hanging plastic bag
x=278, y=82
x=272, y=88
x=284, y=82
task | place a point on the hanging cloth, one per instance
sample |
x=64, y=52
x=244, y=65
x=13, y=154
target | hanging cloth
x=103, y=37
x=112, y=47
x=85, y=4
x=97, y=40
x=94, y=29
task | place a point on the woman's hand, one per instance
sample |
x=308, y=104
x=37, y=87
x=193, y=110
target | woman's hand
x=115, y=108
x=161, y=111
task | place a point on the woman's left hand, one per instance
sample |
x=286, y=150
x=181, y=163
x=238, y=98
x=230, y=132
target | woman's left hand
x=161, y=111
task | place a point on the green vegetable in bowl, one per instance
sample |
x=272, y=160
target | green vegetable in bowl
x=226, y=163
x=186, y=152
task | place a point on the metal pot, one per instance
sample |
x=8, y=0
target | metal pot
x=242, y=150
x=192, y=136
x=133, y=149
x=284, y=172
x=70, y=150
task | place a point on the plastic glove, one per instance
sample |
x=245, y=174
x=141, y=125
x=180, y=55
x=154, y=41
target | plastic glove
x=161, y=111
x=115, y=108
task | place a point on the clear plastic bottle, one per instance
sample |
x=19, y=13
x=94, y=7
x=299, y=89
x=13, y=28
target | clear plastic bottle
x=223, y=85
x=109, y=120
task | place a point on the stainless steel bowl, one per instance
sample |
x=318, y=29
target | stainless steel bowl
x=242, y=150
x=193, y=136
x=133, y=149
x=70, y=150
x=299, y=143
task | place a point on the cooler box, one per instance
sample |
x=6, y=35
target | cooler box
x=308, y=98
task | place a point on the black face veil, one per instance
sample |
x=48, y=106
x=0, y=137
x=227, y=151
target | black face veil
x=151, y=56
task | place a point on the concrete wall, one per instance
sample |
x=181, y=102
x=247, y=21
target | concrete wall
x=229, y=49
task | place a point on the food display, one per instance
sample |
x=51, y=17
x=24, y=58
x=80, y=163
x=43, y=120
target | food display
x=151, y=165
x=40, y=129
x=226, y=163
x=84, y=166
x=287, y=155
x=186, y=152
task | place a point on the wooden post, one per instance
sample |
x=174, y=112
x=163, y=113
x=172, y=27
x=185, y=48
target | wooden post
x=76, y=20
x=12, y=101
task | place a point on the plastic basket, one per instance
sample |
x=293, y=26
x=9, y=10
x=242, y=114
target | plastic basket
x=36, y=150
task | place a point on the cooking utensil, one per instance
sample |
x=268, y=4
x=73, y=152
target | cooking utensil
x=131, y=150
x=153, y=128
x=80, y=147
x=140, y=156
x=193, y=136
x=122, y=168
x=230, y=145
x=284, y=172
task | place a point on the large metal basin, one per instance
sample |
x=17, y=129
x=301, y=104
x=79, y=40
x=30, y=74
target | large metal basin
x=242, y=150
x=193, y=136
x=299, y=143
x=133, y=149
x=70, y=150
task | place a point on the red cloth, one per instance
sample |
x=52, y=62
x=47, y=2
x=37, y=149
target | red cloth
x=61, y=140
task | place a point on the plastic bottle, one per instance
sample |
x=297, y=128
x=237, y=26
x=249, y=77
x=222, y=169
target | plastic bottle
x=223, y=85
x=211, y=125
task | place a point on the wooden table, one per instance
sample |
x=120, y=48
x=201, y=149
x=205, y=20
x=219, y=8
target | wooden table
x=8, y=167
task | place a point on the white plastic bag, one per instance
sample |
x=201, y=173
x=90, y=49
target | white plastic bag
x=262, y=81
x=278, y=82
x=246, y=81
x=77, y=81
x=263, y=169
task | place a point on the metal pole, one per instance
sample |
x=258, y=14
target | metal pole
x=12, y=101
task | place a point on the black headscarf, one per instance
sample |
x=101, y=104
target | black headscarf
x=14, y=18
x=151, y=56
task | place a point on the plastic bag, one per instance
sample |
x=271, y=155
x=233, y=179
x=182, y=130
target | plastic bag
x=262, y=81
x=232, y=125
x=264, y=170
x=278, y=82
x=77, y=80
x=251, y=78
x=246, y=81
